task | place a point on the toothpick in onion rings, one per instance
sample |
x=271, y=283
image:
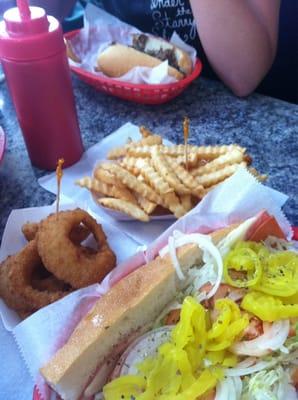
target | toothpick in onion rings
x=74, y=264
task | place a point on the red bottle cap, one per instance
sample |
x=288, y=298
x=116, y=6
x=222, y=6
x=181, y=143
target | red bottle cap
x=34, y=37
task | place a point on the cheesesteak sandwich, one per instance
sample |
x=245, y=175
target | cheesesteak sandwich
x=211, y=315
x=145, y=51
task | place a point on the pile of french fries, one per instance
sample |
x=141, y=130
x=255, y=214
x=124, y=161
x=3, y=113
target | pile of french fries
x=146, y=177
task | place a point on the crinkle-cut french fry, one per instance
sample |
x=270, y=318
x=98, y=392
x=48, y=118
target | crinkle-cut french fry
x=94, y=185
x=153, y=178
x=186, y=177
x=125, y=207
x=208, y=189
x=200, y=152
x=217, y=176
x=142, y=179
x=175, y=150
x=186, y=201
x=192, y=160
x=172, y=202
x=247, y=158
x=132, y=182
x=145, y=151
x=161, y=165
x=105, y=176
x=145, y=204
x=129, y=163
x=117, y=152
x=108, y=190
x=211, y=152
x=145, y=132
x=257, y=175
x=168, y=196
x=195, y=153
x=232, y=157
x=149, y=141
x=139, y=151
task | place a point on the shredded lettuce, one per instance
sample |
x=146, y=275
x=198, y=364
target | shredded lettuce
x=201, y=276
x=274, y=244
x=269, y=385
x=292, y=343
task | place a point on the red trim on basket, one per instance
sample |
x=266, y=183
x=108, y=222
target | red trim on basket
x=139, y=93
x=36, y=395
x=295, y=232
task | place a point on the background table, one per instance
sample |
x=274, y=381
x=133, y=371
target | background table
x=267, y=127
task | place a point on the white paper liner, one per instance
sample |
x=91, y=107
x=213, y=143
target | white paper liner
x=13, y=241
x=143, y=233
x=100, y=30
x=239, y=197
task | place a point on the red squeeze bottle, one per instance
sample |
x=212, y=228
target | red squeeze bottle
x=34, y=60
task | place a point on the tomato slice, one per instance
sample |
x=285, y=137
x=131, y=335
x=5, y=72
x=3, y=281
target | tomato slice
x=263, y=216
x=265, y=226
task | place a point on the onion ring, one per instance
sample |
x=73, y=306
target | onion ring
x=19, y=279
x=30, y=230
x=13, y=299
x=77, y=235
x=74, y=264
x=50, y=283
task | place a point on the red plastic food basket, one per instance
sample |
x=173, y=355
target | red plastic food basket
x=139, y=93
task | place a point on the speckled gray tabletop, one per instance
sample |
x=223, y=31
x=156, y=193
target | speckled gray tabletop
x=267, y=127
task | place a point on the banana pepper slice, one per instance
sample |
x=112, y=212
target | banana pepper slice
x=228, y=326
x=280, y=274
x=178, y=372
x=242, y=267
x=124, y=387
x=250, y=265
x=267, y=307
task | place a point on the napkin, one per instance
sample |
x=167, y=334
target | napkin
x=239, y=197
x=100, y=30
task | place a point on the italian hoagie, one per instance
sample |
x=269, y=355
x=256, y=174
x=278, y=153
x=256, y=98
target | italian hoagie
x=128, y=309
x=220, y=318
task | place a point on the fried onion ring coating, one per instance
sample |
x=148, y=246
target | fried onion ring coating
x=19, y=278
x=77, y=265
x=13, y=299
x=77, y=235
x=42, y=279
x=29, y=230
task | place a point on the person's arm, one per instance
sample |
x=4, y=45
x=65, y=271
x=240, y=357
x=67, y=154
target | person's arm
x=239, y=38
